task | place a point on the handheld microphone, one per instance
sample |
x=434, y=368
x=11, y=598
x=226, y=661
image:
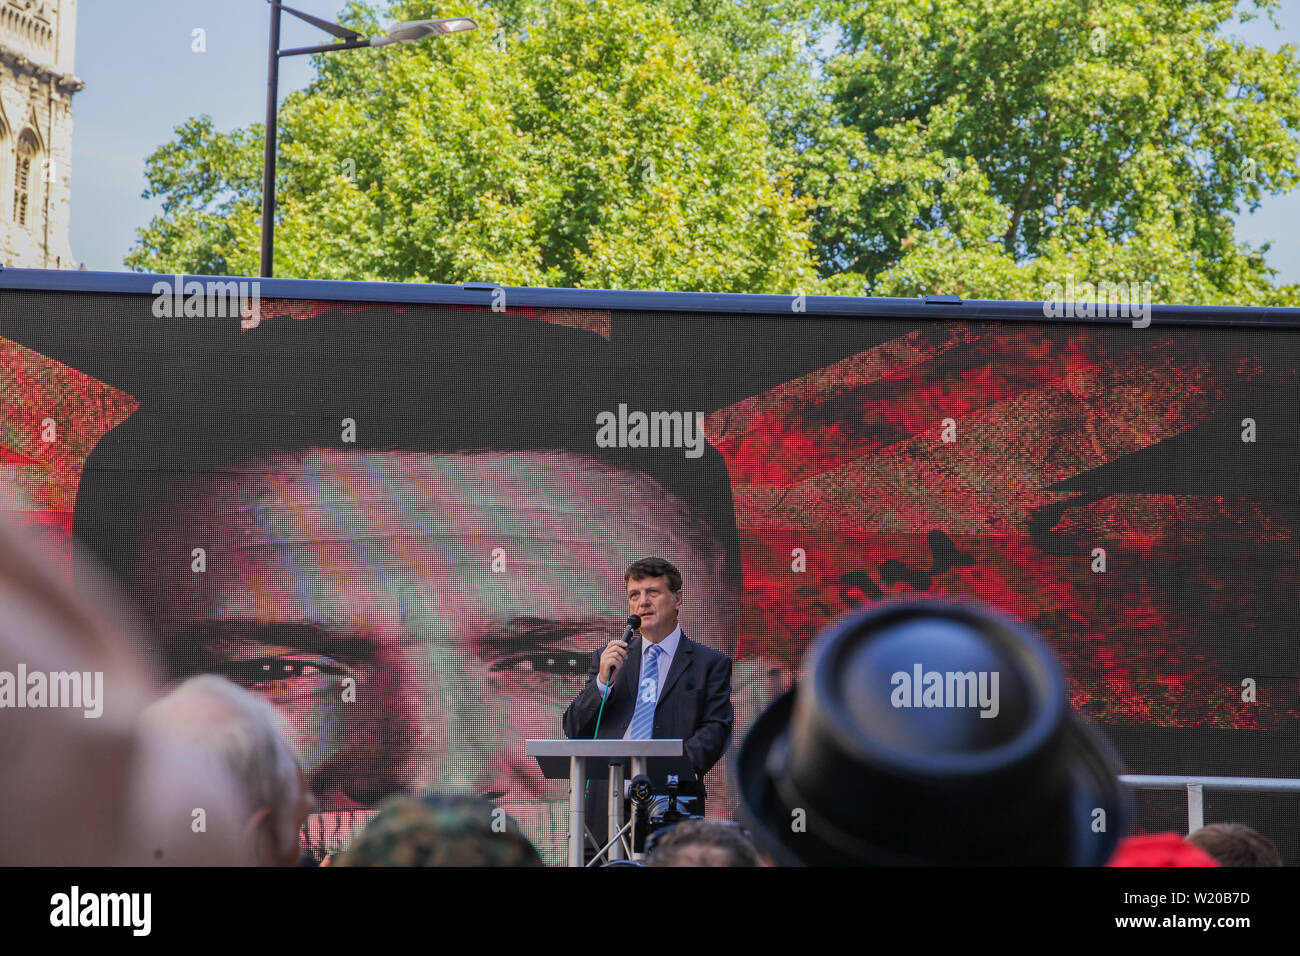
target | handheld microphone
x=633, y=623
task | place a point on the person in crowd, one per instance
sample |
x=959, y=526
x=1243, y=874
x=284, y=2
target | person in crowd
x=240, y=731
x=703, y=843
x=930, y=732
x=444, y=829
x=1159, y=849
x=79, y=784
x=1235, y=844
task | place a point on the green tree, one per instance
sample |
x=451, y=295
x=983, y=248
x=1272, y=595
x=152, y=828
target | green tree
x=982, y=147
x=582, y=147
x=766, y=47
x=986, y=147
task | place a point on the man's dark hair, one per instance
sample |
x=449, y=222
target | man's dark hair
x=737, y=848
x=1235, y=844
x=420, y=379
x=654, y=568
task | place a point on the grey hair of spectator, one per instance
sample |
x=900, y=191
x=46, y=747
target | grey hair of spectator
x=245, y=733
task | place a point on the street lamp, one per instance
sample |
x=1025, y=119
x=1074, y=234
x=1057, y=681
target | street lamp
x=407, y=32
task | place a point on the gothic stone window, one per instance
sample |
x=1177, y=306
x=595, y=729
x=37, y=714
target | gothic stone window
x=27, y=150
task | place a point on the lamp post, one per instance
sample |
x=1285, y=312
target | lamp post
x=407, y=32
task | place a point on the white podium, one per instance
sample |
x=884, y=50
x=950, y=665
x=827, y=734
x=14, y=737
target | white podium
x=578, y=759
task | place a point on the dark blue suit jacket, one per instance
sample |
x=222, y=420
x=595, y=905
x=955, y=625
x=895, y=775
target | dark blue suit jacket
x=695, y=705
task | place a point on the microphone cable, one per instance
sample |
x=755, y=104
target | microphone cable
x=633, y=622
x=596, y=735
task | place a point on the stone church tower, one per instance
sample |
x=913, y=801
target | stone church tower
x=36, y=89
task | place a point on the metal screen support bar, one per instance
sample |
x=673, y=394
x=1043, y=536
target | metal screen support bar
x=1195, y=807
x=1195, y=787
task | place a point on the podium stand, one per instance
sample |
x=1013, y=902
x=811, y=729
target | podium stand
x=578, y=759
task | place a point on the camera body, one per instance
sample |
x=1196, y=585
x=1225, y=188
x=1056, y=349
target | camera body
x=653, y=812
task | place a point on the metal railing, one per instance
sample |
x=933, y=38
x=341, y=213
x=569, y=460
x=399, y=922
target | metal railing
x=1196, y=787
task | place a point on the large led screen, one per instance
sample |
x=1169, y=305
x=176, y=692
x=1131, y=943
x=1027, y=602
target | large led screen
x=406, y=524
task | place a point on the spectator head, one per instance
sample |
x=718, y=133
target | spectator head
x=242, y=733
x=1159, y=849
x=703, y=843
x=441, y=830
x=929, y=732
x=1235, y=844
x=79, y=785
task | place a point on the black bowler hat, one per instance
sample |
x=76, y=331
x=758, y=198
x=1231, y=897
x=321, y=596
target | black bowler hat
x=930, y=732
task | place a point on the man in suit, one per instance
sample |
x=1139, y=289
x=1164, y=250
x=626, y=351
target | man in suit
x=660, y=684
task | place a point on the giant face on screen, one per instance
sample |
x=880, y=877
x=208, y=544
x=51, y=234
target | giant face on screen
x=404, y=526
x=413, y=559
x=415, y=615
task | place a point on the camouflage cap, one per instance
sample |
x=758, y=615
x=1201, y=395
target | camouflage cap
x=440, y=830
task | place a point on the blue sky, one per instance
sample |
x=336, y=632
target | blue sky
x=143, y=78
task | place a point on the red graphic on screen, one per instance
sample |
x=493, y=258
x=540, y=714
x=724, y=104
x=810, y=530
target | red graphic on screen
x=52, y=417
x=850, y=467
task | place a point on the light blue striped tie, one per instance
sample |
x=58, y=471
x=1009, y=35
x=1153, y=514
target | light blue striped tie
x=647, y=696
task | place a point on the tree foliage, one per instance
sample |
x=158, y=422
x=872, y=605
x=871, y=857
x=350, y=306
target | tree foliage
x=990, y=146
x=981, y=147
x=585, y=150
